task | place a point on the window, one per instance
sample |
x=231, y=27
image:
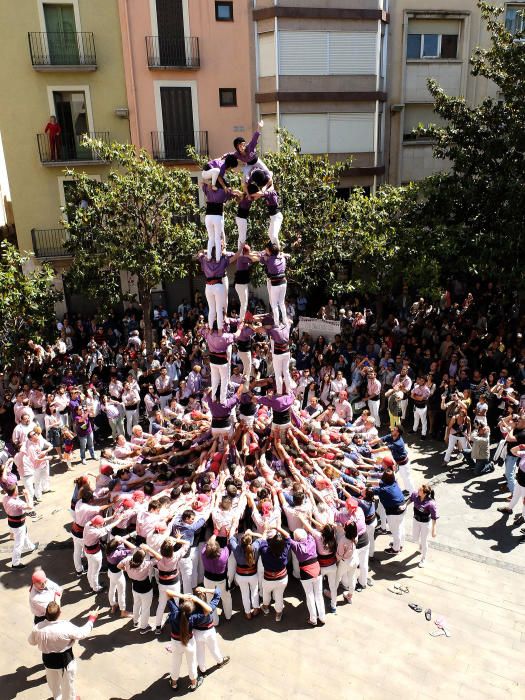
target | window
x=514, y=21
x=327, y=53
x=228, y=97
x=432, y=46
x=224, y=11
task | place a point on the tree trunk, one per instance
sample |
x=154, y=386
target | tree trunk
x=145, y=303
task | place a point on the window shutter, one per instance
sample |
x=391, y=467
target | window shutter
x=351, y=133
x=311, y=130
x=303, y=53
x=352, y=53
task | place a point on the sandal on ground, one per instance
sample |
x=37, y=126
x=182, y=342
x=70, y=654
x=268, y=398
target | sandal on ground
x=395, y=590
x=255, y=612
x=225, y=660
x=415, y=607
x=173, y=684
x=391, y=550
x=197, y=684
x=428, y=614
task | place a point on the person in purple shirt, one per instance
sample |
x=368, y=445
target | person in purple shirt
x=275, y=265
x=221, y=412
x=280, y=345
x=247, y=153
x=274, y=556
x=258, y=188
x=216, y=296
x=304, y=547
x=280, y=406
x=215, y=563
x=243, y=266
x=220, y=348
x=214, y=218
x=215, y=170
x=425, y=512
x=84, y=431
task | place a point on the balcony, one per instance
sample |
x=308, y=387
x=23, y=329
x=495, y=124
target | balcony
x=171, y=146
x=49, y=243
x=62, y=51
x=166, y=52
x=68, y=149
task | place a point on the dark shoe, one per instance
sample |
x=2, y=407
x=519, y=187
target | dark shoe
x=225, y=660
x=359, y=587
x=158, y=631
x=18, y=566
x=505, y=510
x=391, y=550
x=423, y=437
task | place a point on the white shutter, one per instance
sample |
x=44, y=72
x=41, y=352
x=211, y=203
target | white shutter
x=266, y=54
x=352, y=53
x=351, y=133
x=303, y=53
x=311, y=130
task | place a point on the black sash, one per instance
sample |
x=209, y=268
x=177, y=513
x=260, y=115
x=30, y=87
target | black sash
x=421, y=516
x=143, y=586
x=214, y=208
x=281, y=417
x=220, y=422
x=242, y=277
x=58, y=660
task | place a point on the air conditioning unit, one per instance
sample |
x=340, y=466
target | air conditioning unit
x=122, y=112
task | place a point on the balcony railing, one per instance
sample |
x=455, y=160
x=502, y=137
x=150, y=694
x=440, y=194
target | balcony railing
x=172, y=145
x=49, y=243
x=68, y=148
x=172, y=52
x=62, y=50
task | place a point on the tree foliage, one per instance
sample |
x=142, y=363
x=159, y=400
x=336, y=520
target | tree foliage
x=27, y=302
x=140, y=219
x=480, y=201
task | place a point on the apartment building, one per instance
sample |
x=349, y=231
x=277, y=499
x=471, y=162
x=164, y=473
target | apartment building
x=188, y=75
x=430, y=39
x=321, y=74
x=60, y=58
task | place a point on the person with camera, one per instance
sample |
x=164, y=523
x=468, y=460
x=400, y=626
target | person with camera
x=458, y=434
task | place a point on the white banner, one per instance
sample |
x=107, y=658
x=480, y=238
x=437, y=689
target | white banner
x=316, y=327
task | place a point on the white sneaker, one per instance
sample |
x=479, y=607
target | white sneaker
x=422, y=564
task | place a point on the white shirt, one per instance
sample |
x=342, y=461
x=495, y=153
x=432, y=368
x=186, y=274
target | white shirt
x=60, y=635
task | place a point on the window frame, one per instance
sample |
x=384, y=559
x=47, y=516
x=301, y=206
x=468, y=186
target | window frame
x=518, y=7
x=222, y=92
x=438, y=56
x=224, y=3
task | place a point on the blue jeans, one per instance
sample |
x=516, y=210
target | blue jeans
x=510, y=468
x=86, y=441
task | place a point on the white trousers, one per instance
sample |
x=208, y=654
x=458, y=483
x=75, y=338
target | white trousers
x=203, y=639
x=242, y=228
x=78, y=550
x=40, y=482
x=246, y=359
x=243, y=294
x=313, y=589
x=226, y=598
x=132, y=418
x=420, y=416
x=397, y=524
x=371, y=529
x=275, y=589
x=94, y=564
x=21, y=543
x=62, y=681
x=406, y=474
x=281, y=368
x=331, y=575
x=454, y=440
x=178, y=650
x=40, y=420
x=211, y=175
x=276, y=221
x=163, y=599
x=347, y=573
x=363, y=553
x=117, y=589
x=517, y=494
x=249, y=587
x=141, y=608
x=216, y=298
x=277, y=295
x=403, y=404
x=220, y=374
x=189, y=567
x=381, y=512
x=117, y=427
x=29, y=486
x=373, y=407
x=215, y=227
x=164, y=400
x=420, y=533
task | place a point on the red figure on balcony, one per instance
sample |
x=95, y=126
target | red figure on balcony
x=53, y=130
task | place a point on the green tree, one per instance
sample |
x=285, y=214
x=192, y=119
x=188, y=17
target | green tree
x=480, y=201
x=140, y=219
x=27, y=302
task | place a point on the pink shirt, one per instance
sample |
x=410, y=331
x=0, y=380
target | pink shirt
x=84, y=512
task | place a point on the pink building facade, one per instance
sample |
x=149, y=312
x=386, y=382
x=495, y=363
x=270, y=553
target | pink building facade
x=188, y=66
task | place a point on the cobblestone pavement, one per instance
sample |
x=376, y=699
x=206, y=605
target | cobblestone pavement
x=374, y=648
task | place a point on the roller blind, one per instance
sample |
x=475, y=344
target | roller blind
x=332, y=133
x=327, y=53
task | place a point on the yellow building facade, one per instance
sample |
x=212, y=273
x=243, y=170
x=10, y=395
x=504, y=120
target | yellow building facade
x=60, y=58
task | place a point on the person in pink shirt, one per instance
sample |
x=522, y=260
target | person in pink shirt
x=373, y=395
x=22, y=430
x=16, y=510
x=347, y=560
x=85, y=510
x=38, y=450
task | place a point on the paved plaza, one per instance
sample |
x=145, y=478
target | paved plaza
x=375, y=648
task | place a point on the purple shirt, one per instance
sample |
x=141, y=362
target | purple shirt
x=213, y=269
x=221, y=410
x=271, y=198
x=251, y=149
x=217, y=343
x=245, y=334
x=215, y=566
x=120, y=553
x=277, y=403
x=244, y=262
x=269, y=560
x=426, y=506
x=218, y=196
x=279, y=334
x=304, y=550
x=274, y=264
